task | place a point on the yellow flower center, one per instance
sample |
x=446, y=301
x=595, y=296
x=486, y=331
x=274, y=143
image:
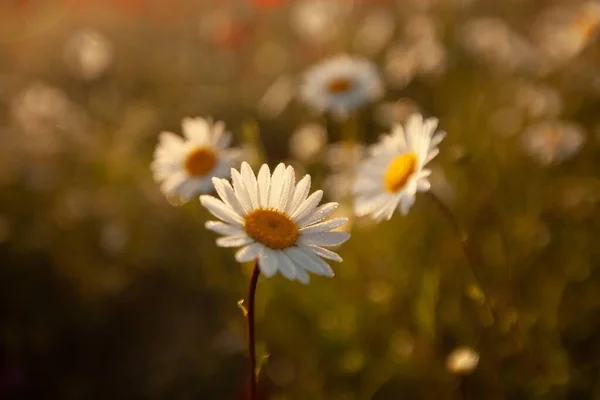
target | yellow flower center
x=399, y=170
x=272, y=228
x=340, y=85
x=200, y=161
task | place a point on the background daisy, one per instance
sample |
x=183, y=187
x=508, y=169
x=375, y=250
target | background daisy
x=394, y=171
x=185, y=165
x=274, y=221
x=341, y=85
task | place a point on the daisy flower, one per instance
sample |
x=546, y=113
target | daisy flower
x=275, y=222
x=551, y=142
x=185, y=166
x=341, y=85
x=394, y=171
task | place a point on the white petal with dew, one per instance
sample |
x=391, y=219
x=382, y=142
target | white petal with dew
x=268, y=262
x=322, y=212
x=223, y=228
x=324, y=238
x=324, y=226
x=234, y=241
x=308, y=206
x=220, y=210
x=300, y=193
x=249, y=253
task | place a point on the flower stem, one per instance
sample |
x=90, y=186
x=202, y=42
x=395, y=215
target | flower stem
x=471, y=256
x=251, y=340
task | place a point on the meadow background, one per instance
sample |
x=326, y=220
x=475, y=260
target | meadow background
x=110, y=291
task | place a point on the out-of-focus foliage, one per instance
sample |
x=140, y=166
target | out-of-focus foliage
x=109, y=291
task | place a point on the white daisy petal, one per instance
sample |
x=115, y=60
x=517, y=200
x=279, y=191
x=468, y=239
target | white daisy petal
x=234, y=241
x=226, y=193
x=325, y=253
x=431, y=155
x=196, y=129
x=286, y=266
x=324, y=238
x=300, y=194
x=305, y=259
x=437, y=139
x=287, y=190
x=302, y=276
x=220, y=210
x=276, y=185
x=223, y=228
x=423, y=185
x=308, y=206
x=249, y=253
x=268, y=262
x=324, y=226
x=251, y=183
x=264, y=184
x=240, y=190
x=319, y=214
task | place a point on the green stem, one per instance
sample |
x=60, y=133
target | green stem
x=251, y=339
x=472, y=257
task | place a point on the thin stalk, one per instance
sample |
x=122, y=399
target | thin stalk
x=471, y=256
x=251, y=340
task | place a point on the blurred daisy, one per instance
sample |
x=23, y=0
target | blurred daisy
x=341, y=85
x=185, y=166
x=394, y=171
x=307, y=142
x=553, y=141
x=563, y=32
x=275, y=222
x=462, y=361
x=88, y=54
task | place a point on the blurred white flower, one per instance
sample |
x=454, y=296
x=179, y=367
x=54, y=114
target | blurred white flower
x=552, y=142
x=419, y=53
x=496, y=45
x=319, y=21
x=307, y=142
x=341, y=85
x=562, y=32
x=539, y=101
x=375, y=32
x=185, y=166
x=394, y=172
x=88, y=54
x=47, y=116
x=275, y=222
x=276, y=97
x=462, y=361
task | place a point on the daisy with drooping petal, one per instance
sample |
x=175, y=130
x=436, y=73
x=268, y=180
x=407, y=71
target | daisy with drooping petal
x=341, y=85
x=275, y=222
x=185, y=165
x=395, y=171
